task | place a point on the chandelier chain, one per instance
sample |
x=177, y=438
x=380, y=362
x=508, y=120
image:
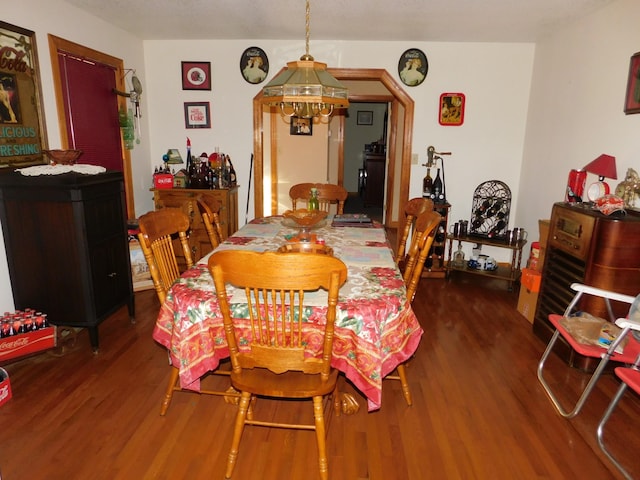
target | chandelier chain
x=306, y=26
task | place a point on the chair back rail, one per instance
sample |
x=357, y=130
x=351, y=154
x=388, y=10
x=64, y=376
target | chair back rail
x=412, y=210
x=210, y=211
x=328, y=194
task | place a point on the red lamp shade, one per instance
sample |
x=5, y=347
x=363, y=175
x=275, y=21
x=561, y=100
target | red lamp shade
x=603, y=166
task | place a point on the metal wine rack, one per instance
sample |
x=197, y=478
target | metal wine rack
x=490, y=210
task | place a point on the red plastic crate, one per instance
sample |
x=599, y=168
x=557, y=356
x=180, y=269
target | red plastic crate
x=5, y=387
x=27, y=343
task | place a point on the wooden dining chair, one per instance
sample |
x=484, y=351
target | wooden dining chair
x=412, y=210
x=209, y=210
x=305, y=247
x=268, y=351
x=158, y=230
x=425, y=229
x=328, y=194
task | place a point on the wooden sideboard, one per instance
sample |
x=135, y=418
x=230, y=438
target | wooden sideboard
x=67, y=247
x=185, y=199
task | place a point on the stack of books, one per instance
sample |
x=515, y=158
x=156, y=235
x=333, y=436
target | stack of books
x=352, y=220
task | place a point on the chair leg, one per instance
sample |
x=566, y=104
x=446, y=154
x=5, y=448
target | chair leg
x=587, y=390
x=600, y=431
x=171, y=387
x=321, y=437
x=402, y=373
x=241, y=416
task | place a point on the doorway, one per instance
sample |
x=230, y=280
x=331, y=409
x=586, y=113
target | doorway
x=91, y=76
x=365, y=85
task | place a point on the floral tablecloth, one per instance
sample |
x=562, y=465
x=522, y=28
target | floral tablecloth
x=375, y=327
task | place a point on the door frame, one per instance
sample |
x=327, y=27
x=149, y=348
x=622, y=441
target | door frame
x=57, y=44
x=404, y=123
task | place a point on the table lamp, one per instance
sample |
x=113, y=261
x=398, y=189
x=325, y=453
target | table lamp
x=603, y=166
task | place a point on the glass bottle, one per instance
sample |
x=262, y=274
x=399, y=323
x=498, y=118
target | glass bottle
x=427, y=185
x=313, y=204
x=438, y=191
x=232, y=173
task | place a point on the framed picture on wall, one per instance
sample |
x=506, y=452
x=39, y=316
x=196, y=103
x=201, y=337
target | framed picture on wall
x=451, y=109
x=196, y=75
x=196, y=115
x=23, y=136
x=365, y=117
x=301, y=126
x=632, y=100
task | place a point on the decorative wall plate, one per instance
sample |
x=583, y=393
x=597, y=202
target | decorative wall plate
x=413, y=67
x=254, y=65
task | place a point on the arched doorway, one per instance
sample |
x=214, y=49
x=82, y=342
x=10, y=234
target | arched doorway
x=359, y=82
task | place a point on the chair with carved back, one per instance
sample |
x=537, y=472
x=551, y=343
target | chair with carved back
x=158, y=232
x=425, y=228
x=209, y=210
x=267, y=350
x=328, y=194
x=412, y=210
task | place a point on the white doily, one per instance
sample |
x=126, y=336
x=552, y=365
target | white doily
x=37, y=170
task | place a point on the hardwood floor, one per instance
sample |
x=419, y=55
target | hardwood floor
x=478, y=413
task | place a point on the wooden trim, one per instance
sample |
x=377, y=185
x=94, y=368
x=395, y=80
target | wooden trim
x=398, y=97
x=57, y=44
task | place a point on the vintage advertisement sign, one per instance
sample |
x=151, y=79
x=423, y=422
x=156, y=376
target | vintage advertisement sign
x=22, y=132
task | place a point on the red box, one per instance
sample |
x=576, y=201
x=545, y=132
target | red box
x=530, y=279
x=27, y=343
x=5, y=387
x=163, y=180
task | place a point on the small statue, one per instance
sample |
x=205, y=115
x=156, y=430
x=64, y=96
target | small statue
x=629, y=188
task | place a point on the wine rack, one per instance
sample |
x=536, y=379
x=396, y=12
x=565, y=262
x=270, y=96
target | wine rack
x=434, y=265
x=490, y=209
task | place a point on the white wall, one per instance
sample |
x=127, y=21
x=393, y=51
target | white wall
x=494, y=77
x=576, y=107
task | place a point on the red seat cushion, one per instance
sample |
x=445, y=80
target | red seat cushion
x=629, y=376
x=628, y=355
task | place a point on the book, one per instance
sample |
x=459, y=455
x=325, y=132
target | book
x=351, y=218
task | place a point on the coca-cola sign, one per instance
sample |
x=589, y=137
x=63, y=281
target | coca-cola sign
x=21, y=120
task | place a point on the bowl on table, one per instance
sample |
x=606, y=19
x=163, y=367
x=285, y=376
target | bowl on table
x=63, y=157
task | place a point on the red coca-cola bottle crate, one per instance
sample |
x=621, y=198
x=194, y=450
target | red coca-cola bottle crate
x=24, y=333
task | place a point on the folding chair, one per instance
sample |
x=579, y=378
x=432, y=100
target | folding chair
x=630, y=377
x=628, y=354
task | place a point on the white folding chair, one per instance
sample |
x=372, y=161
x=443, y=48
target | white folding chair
x=627, y=356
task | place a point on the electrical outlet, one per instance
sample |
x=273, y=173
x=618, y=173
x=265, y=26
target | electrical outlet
x=414, y=159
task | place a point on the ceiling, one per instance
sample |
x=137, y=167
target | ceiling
x=352, y=20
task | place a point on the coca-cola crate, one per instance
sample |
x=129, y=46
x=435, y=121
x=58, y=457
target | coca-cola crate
x=163, y=180
x=5, y=387
x=27, y=343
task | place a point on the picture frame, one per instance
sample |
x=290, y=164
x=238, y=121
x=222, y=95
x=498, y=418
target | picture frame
x=451, y=109
x=301, y=126
x=413, y=67
x=254, y=65
x=197, y=115
x=364, y=117
x=20, y=100
x=196, y=75
x=632, y=98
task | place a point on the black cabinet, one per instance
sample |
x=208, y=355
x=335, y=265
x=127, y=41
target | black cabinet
x=66, y=242
x=374, y=171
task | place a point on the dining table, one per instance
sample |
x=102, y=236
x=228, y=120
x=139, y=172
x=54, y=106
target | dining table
x=375, y=327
